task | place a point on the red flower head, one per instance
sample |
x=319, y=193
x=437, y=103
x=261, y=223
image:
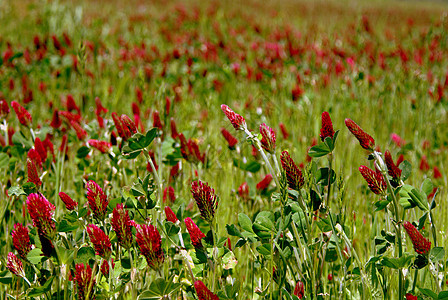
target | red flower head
x=237, y=121
x=121, y=223
x=437, y=173
x=84, y=281
x=23, y=115
x=168, y=195
x=365, y=140
x=421, y=244
x=231, y=140
x=203, y=292
x=128, y=125
x=170, y=215
x=39, y=146
x=156, y=122
x=299, y=290
x=243, y=190
x=71, y=104
x=375, y=180
x=174, y=171
x=33, y=175
x=409, y=296
x=264, y=183
x=21, y=240
x=14, y=265
x=424, y=166
x=195, y=233
x=205, y=198
x=4, y=108
x=190, y=150
x=41, y=212
x=327, y=126
x=103, y=146
x=284, y=131
x=70, y=204
x=267, y=138
x=150, y=243
x=100, y=241
x=293, y=173
x=97, y=200
x=80, y=132
x=174, y=133
x=392, y=169
x=105, y=267
x=120, y=126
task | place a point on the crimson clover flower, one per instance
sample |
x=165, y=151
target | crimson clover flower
x=4, y=108
x=267, y=138
x=195, y=233
x=105, y=267
x=21, y=240
x=170, y=215
x=299, y=290
x=41, y=212
x=231, y=140
x=100, y=241
x=84, y=281
x=237, y=121
x=121, y=224
x=150, y=243
x=264, y=183
x=168, y=195
x=70, y=204
x=14, y=265
x=205, y=198
x=33, y=175
x=40, y=148
x=22, y=114
x=392, y=168
x=421, y=244
x=97, y=200
x=365, y=140
x=293, y=173
x=203, y=292
x=128, y=124
x=375, y=180
x=327, y=127
x=102, y=146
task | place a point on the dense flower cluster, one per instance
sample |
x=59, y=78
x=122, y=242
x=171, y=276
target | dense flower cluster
x=267, y=138
x=327, y=127
x=293, y=173
x=375, y=180
x=421, y=244
x=85, y=282
x=97, y=200
x=121, y=223
x=195, y=233
x=237, y=121
x=150, y=244
x=205, y=198
x=70, y=204
x=203, y=292
x=100, y=241
x=365, y=140
x=21, y=240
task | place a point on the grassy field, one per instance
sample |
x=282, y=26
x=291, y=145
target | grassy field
x=382, y=65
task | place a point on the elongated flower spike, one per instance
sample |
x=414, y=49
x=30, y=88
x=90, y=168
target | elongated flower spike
x=375, y=180
x=170, y=215
x=33, y=175
x=97, y=200
x=84, y=281
x=293, y=173
x=267, y=138
x=4, y=108
x=14, y=265
x=203, y=292
x=421, y=244
x=392, y=169
x=264, y=183
x=121, y=223
x=70, y=204
x=21, y=240
x=41, y=212
x=237, y=121
x=205, y=198
x=231, y=140
x=365, y=140
x=22, y=114
x=102, y=146
x=100, y=241
x=327, y=127
x=149, y=242
x=195, y=233
x=129, y=124
x=299, y=290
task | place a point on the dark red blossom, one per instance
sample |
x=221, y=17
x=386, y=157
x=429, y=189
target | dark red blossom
x=436, y=172
x=80, y=132
x=85, y=282
x=424, y=166
x=409, y=296
x=102, y=146
x=375, y=180
x=156, y=122
x=105, y=267
x=22, y=114
x=41, y=212
x=170, y=215
x=264, y=183
x=150, y=243
x=174, y=133
x=327, y=127
x=299, y=290
x=205, y=198
x=97, y=200
x=231, y=140
x=121, y=223
x=284, y=131
x=100, y=241
x=71, y=104
x=119, y=126
x=55, y=121
x=392, y=169
x=33, y=175
x=4, y=108
x=237, y=121
x=128, y=124
x=243, y=190
x=190, y=150
x=195, y=233
x=293, y=173
x=14, y=265
x=70, y=204
x=21, y=240
x=203, y=292
x=365, y=140
x=421, y=244
x=168, y=195
x=267, y=138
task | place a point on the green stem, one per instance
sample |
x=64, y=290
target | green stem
x=158, y=180
x=330, y=160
